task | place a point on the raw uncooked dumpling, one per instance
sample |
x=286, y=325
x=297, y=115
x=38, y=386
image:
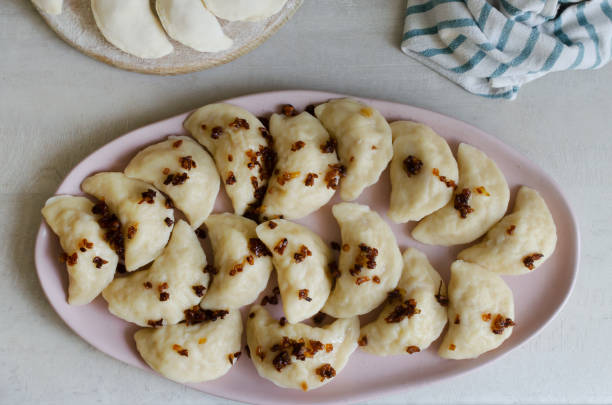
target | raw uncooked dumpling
x=183, y=170
x=301, y=260
x=90, y=261
x=238, y=142
x=53, y=7
x=306, y=175
x=190, y=23
x=521, y=241
x=415, y=313
x=480, y=312
x=480, y=200
x=423, y=172
x=249, y=10
x=364, y=142
x=297, y=355
x=370, y=262
x=131, y=26
x=159, y=295
x=190, y=353
x=146, y=222
x=242, y=262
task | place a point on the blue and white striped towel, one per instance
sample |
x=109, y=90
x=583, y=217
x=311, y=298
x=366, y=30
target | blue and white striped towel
x=492, y=48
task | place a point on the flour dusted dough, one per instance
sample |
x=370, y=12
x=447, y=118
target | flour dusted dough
x=138, y=297
x=415, y=195
x=53, y=7
x=190, y=23
x=235, y=138
x=477, y=297
x=297, y=143
x=364, y=142
x=180, y=155
x=307, y=271
x=131, y=26
x=77, y=228
x=263, y=332
x=237, y=281
x=249, y=10
x=208, y=348
x=489, y=196
x=363, y=230
x=420, y=282
x=529, y=230
x=123, y=196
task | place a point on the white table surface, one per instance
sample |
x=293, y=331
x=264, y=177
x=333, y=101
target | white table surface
x=57, y=106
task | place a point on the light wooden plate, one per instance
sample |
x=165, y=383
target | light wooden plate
x=77, y=27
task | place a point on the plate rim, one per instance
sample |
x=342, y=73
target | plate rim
x=575, y=241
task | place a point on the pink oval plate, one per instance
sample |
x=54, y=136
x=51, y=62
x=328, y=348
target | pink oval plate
x=538, y=296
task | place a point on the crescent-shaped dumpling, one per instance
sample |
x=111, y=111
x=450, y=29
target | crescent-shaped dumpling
x=53, y=7
x=423, y=172
x=242, y=262
x=241, y=10
x=190, y=23
x=301, y=260
x=90, y=261
x=175, y=282
x=306, y=175
x=146, y=222
x=415, y=313
x=364, y=142
x=370, y=262
x=297, y=355
x=480, y=200
x=131, y=26
x=480, y=312
x=192, y=353
x=183, y=170
x=521, y=241
x=238, y=142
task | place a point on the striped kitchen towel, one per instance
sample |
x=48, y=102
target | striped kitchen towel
x=492, y=48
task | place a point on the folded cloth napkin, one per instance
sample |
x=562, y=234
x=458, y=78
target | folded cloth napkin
x=492, y=48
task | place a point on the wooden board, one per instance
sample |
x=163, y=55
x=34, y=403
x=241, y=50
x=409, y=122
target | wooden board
x=77, y=27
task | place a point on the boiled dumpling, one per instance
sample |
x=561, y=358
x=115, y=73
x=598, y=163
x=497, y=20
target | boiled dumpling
x=190, y=353
x=297, y=355
x=53, y=7
x=306, y=175
x=190, y=23
x=480, y=200
x=480, y=312
x=90, y=261
x=183, y=170
x=301, y=259
x=423, y=172
x=364, y=142
x=131, y=26
x=242, y=262
x=370, y=262
x=249, y=10
x=238, y=142
x=159, y=295
x=415, y=313
x=521, y=241
x=146, y=221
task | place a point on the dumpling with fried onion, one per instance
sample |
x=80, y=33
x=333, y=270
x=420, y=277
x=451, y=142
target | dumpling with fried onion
x=297, y=355
x=90, y=261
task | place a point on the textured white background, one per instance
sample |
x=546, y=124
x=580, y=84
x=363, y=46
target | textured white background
x=57, y=106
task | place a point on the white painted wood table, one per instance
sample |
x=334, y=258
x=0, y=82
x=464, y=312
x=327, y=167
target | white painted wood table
x=57, y=106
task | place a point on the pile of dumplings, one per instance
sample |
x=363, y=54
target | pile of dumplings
x=150, y=267
x=133, y=27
